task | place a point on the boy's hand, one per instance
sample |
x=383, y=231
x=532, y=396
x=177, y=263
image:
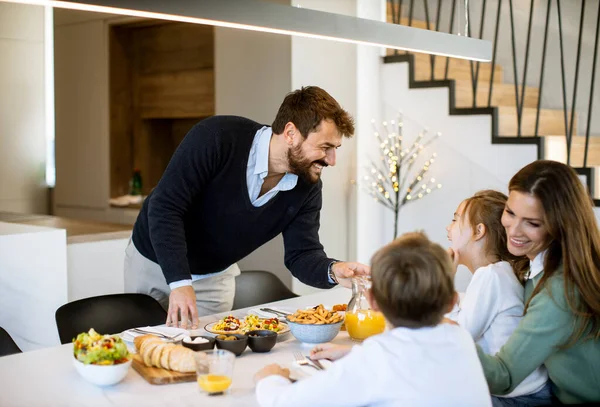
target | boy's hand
x=270, y=370
x=449, y=321
x=455, y=256
x=329, y=351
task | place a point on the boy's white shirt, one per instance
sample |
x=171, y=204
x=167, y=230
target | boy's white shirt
x=491, y=310
x=435, y=366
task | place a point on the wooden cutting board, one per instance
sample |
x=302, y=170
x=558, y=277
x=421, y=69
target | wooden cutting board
x=154, y=375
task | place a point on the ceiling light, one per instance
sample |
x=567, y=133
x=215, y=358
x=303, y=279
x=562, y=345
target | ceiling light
x=280, y=19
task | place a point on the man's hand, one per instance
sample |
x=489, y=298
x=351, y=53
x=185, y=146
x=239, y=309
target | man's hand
x=182, y=303
x=344, y=271
x=329, y=351
x=271, y=370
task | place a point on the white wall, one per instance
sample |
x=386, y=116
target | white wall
x=332, y=66
x=22, y=114
x=367, y=215
x=252, y=76
x=81, y=92
x=467, y=161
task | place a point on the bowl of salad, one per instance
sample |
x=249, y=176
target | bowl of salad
x=101, y=359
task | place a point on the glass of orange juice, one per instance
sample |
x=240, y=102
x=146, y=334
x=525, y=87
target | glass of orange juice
x=362, y=321
x=214, y=371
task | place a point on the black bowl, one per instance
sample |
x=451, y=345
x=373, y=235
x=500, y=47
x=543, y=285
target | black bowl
x=261, y=340
x=200, y=346
x=237, y=347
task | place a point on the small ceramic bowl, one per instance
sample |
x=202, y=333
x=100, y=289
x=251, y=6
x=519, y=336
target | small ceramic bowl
x=102, y=375
x=237, y=347
x=200, y=346
x=261, y=340
x=313, y=333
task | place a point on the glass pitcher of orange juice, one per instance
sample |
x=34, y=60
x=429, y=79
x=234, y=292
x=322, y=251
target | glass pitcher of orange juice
x=361, y=320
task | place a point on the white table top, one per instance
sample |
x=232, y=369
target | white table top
x=47, y=377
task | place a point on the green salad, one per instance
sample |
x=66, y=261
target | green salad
x=93, y=348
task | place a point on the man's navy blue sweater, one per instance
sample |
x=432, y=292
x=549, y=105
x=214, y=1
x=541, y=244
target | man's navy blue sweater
x=199, y=218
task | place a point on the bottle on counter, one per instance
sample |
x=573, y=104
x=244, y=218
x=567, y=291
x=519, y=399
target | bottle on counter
x=135, y=184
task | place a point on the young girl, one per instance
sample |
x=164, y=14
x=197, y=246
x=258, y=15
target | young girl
x=493, y=303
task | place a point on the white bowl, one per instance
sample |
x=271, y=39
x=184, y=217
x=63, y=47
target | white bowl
x=102, y=375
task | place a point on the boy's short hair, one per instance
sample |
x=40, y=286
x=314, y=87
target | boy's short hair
x=412, y=281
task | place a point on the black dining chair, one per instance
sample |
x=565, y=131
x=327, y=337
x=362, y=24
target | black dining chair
x=256, y=287
x=7, y=344
x=108, y=314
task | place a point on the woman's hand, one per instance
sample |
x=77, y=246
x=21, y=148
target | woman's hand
x=270, y=370
x=329, y=351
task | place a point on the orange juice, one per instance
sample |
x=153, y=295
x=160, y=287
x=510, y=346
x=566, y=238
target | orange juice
x=214, y=383
x=364, y=323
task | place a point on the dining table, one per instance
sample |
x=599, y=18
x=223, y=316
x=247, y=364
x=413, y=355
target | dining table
x=47, y=377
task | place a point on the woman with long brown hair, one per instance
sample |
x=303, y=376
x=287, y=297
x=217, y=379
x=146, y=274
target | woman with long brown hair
x=549, y=218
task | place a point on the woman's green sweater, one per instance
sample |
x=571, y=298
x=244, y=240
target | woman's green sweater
x=548, y=324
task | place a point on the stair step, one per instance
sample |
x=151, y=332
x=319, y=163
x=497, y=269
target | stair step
x=415, y=23
x=503, y=94
x=458, y=69
x=551, y=121
x=404, y=20
x=555, y=148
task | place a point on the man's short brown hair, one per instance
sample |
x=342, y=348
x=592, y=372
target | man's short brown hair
x=307, y=107
x=411, y=281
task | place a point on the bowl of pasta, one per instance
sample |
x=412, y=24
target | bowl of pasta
x=315, y=325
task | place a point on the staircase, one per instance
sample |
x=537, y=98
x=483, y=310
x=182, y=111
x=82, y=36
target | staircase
x=457, y=76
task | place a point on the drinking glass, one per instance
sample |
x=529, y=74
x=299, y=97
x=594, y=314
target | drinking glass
x=214, y=370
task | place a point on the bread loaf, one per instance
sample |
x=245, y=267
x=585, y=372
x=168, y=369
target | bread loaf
x=155, y=353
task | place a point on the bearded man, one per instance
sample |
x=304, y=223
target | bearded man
x=231, y=186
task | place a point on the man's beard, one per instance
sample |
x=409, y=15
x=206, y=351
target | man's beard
x=301, y=166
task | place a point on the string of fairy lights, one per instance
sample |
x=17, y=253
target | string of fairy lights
x=393, y=180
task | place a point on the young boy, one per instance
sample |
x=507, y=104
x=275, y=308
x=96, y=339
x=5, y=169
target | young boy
x=420, y=362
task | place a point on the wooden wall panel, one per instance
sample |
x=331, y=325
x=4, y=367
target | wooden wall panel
x=121, y=110
x=175, y=47
x=163, y=84
x=153, y=149
x=177, y=95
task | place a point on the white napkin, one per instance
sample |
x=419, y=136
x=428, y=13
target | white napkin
x=130, y=335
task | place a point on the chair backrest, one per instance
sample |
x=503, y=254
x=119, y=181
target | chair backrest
x=108, y=314
x=256, y=287
x=7, y=345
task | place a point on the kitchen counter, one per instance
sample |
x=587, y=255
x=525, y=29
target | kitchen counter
x=78, y=231
x=48, y=261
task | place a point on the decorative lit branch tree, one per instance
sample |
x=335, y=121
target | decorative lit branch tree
x=389, y=180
